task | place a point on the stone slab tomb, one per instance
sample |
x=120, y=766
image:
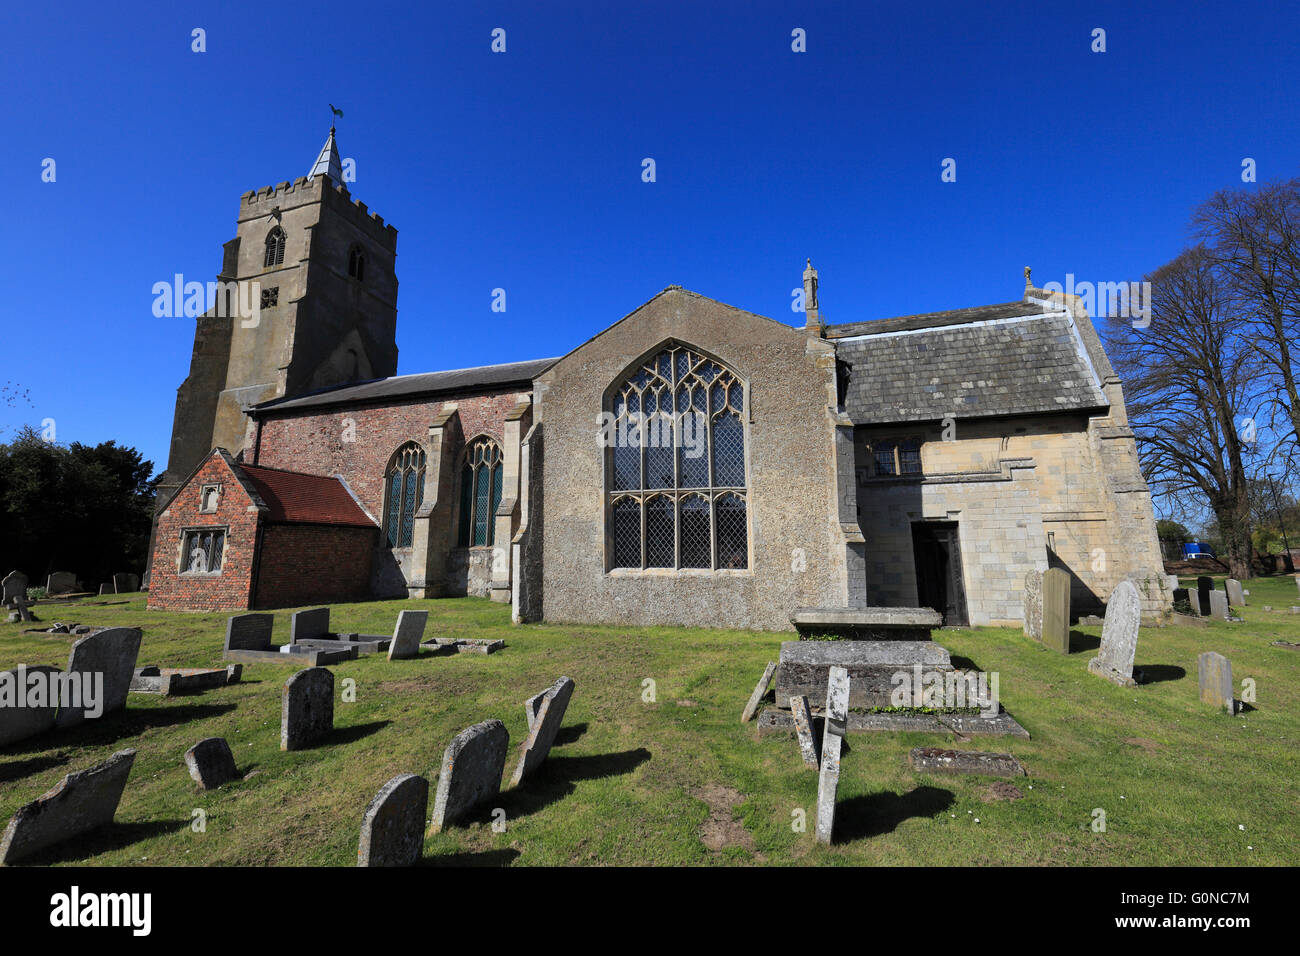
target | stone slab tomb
x=463, y=645
x=81, y=803
x=211, y=763
x=760, y=691
x=248, y=641
x=307, y=708
x=392, y=828
x=867, y=624
x=183, y=680
x=1119, y=635
x=471, y=772
x=545, y=718
x=1214, y=674
x=310, y=631
x=833, y=729
x=805, y=666
x=773, y=722
x=939, y=760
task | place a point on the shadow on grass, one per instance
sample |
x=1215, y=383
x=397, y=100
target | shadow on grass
x=347, y=735
x=555, y=780
x=486, y=858
x=124, y=723
x=1080, y=641
x=881, y=813
x=568, y=735
x=24, y=768
x=1157, y=673
x=114, y=836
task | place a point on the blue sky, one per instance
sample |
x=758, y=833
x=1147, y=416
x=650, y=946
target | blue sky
x=522, y=170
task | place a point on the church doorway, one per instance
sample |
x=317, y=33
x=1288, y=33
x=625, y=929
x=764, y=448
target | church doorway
x=937, y=550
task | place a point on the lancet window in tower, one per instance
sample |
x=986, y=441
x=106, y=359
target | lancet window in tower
x=357, y=264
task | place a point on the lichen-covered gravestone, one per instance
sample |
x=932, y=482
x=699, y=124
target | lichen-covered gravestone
x=1236, y=594
x=803, y=728
x=108, y=656
x=471, y=772
x=1034, y=605
x=1214, y=671
x=13, y=589
x=1056, y=610
x=544, y=726
x=307, y=708
x=835, y=726
x=392, y=829
x=211, y=763
x=61, y=582
x=1119, y=636
x=407, y=634
x=760, y=691
x=82, y=802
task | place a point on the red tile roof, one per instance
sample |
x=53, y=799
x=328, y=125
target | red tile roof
x=295, y=498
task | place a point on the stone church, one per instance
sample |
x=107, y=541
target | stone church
x=692, y=463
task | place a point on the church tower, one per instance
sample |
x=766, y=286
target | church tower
x=325, y=273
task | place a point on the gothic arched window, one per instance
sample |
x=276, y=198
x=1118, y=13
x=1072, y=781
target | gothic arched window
x=675, y=473
x=274, y=248
x=480, y=493
x=357, y=263
x=404, y=489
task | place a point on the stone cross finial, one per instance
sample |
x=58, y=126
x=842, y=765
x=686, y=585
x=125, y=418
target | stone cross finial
x=810, y=288
x=1028, y=283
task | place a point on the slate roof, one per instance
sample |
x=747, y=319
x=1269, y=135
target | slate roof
x=1008, y=359
x=520, y=374
x=294, y=498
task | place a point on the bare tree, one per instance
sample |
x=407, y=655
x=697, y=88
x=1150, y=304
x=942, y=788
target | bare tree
x=1187, y=380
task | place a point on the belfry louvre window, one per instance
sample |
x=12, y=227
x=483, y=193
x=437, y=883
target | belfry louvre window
x=274, y=248
x=404, y=484
x=480, y=493
x=202, y=550
x=676, y=492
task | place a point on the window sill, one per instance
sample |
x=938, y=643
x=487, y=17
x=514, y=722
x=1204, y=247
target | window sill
x=678, y=572
x=200, y=574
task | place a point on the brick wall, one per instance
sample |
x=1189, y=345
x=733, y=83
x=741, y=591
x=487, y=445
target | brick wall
x=231, y=588
x=313, y=564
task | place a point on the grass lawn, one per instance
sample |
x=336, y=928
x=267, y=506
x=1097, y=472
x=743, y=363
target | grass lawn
x=681, y=780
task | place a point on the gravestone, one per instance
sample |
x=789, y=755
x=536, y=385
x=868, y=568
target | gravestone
x=122, y=583
x=306, y=625
x=760, y=691
x=1236, y=596
x=307, y=708
x=392, y=828
x=541, y=735
x=20, y=722
x=1184, y=596
x=105, y=589
x=803, y=728
x=1119, y=636
x=1171, y=582
x=249, y=632
x=835, y=726
x=407, y=634
x=82, y=802
x=13, y=589
x=60, y=582
x=1219, y=609
x=805, y=668
x=471, y=772
x=1297, y=582
x=211, y=763
x=533, y=705
x=1056, y=610
x=1214, y=672
x=111, y=653
x=1204, y=587
x=1034, y=605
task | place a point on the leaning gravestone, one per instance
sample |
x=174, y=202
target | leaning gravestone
x=392, y=829
x=105, y=589
x=307, y=709
x=760, y=691
x=1219, y=609
x=835, y=726
x=19, y=720
x=211, y=763
x=108, y=656
x=1236, y=596
x=803, y=728
x=471, y=772
x=1056, y=610
x=407, y=634
x=60, y=582
x=13, y=589
x=541, y=735
x=1214, y=671
x=1119, y=636
x=1034, y=605
x=1204, y=587
x=82, y=802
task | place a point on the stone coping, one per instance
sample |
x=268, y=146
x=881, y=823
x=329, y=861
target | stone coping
x=773, y=720
x=867, y=623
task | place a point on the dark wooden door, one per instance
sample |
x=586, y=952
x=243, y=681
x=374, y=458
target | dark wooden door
x=936, y=547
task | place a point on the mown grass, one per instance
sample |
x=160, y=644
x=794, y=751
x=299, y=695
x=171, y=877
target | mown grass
x=680, y=780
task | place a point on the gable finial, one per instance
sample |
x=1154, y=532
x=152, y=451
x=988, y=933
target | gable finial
x=1028, y=283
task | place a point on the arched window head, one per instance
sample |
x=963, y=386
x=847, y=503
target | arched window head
x=357, y=263
x=274, y=248
x=675, y=473
x=404, y=490
x=480, y=493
